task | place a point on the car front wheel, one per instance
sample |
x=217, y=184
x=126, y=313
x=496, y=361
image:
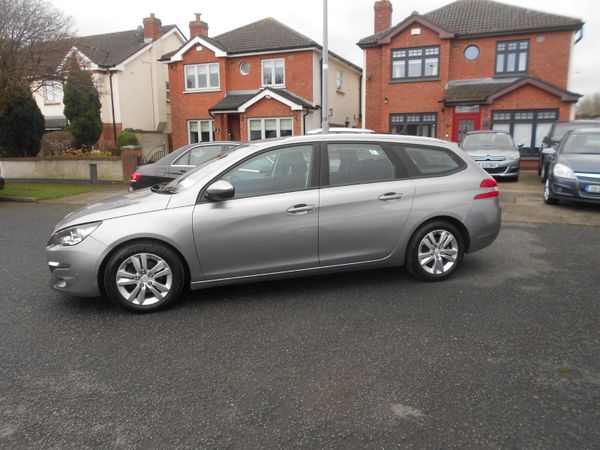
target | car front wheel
x=435, y=251
x=144, y=276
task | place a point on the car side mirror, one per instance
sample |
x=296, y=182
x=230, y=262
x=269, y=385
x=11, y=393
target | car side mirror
x=549, y=151
x=220, y=190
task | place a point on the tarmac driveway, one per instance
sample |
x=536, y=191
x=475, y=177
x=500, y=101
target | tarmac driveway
x=504, y=354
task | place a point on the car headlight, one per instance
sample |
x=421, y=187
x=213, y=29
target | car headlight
x=563, y=171
x=514, y=156
x=74, y=235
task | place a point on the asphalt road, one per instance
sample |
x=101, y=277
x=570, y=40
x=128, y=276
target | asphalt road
x=506, y=354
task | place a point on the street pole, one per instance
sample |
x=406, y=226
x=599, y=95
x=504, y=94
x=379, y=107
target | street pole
x=325, y=83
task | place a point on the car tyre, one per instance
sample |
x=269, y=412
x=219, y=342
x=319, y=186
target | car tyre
x=549, y=199
x=435, y=251
x=144, y=276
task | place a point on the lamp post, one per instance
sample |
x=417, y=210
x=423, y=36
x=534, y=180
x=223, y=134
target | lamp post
x=325, y=69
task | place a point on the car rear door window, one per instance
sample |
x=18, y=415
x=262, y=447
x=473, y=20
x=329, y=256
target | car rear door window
x=358, y=163
x=282, y=170
x=198, y=155
x=430, y=161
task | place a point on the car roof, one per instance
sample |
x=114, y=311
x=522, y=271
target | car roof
x=585, y=131
x=355, y=137
x=488, y=132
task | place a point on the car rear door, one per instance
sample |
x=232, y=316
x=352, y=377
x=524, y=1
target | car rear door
x=271, y=224
x=365, y=201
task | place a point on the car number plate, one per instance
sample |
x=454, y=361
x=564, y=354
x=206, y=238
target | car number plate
x=592, y=188
x=488, y=165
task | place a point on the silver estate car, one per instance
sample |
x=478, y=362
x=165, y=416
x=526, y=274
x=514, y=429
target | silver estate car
x=281, y=208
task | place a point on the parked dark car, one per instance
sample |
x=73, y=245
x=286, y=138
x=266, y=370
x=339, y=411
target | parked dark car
x=555, y=135
x=1, y=182
x=574, y=168
x=177, y=163
x=495, y=152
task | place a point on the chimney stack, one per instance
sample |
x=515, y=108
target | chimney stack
x=197, y=27
x=151, y=28
x=383, y=15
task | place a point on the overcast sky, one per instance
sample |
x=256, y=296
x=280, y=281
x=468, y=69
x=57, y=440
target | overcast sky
x=349, y=20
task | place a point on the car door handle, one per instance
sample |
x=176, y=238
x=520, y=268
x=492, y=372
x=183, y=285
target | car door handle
x=302, y=208
x=390, y=196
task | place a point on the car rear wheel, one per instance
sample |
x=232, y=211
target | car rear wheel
x=548, y=198
x=144, y=276
x=435, y=251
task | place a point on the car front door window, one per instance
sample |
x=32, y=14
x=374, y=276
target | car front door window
x=282, y=170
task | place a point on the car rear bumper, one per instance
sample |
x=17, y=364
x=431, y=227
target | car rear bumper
x=483, y=223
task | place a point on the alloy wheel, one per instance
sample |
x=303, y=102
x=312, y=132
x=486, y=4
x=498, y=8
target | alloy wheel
x=438, y=252
x=144, y=279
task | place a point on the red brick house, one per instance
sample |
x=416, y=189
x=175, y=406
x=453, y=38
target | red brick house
x=258, y=81
x=472, y=64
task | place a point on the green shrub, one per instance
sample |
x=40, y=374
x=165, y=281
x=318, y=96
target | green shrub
x=55, y=143
x=126, y=138
x=21, y=126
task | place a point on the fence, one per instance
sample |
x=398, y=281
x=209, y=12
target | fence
x=63, y=168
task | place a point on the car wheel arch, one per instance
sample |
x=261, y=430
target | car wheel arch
x=138, y=240
x=444, y=218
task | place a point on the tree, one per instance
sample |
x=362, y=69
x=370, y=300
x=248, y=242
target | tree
x=589, y=106
x=33, y=42
x=22, y=126
x=82, y=106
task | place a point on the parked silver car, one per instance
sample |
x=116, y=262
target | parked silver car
x=495, y=151
x=281, y=208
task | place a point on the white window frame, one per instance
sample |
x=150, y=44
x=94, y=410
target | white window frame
x=262, y=71
x=339, y=80
x=199, y=122
x=262, y=125
x=195, y=67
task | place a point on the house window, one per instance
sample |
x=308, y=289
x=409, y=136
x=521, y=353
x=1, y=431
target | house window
x=200, y=131
x=511, y=57
x=270, y=128
x=339, y=80
x=200, y=77
x=273, y=72
x=419, y=124
x=415, y=63
x=527, y=127
x=167, y=91
x=52, y=93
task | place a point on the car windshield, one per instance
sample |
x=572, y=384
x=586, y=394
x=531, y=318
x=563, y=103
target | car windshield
x=588, y=144
x=188, y=179
x=563, y=128
x=488, y=140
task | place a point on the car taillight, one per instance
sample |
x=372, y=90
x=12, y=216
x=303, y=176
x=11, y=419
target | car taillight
x=136, y=177
x=488, y=183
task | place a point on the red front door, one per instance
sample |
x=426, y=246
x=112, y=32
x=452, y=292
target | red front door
x=463, y=123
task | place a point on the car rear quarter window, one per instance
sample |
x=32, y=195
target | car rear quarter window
x=358, y=163
x=429, y=161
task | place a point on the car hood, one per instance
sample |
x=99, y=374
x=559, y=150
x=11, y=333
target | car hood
x=581, y=162
x=484, y=151
x=136, y=202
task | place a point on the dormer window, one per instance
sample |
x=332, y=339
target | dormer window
x=273, y=72
x=411, y=64
x=511, y=57
x=202, y=77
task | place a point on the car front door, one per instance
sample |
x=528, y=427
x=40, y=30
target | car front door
x=364, y=204
x=270, y=225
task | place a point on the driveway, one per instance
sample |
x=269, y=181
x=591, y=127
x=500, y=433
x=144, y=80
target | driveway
x=504, y=354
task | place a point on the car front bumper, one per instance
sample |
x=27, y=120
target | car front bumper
x=501, y=169
x=74, y=270
x=576, y=190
